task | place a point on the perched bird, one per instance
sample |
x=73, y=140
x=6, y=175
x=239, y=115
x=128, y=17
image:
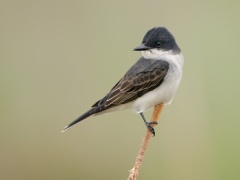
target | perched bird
x=152, y=80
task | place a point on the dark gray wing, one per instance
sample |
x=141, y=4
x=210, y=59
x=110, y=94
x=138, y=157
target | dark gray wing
x=142, y=77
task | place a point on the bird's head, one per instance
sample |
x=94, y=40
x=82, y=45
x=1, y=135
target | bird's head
x=156, y=42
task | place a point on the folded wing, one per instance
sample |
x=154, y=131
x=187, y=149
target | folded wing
x=144, y=76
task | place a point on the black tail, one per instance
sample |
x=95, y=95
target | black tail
x=82, y=117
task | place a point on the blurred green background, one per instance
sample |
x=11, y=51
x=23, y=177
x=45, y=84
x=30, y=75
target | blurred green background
x=56, y=59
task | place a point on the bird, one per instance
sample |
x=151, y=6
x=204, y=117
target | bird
x=152, y=80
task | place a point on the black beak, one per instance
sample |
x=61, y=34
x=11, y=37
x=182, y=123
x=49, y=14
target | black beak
x=141, y=47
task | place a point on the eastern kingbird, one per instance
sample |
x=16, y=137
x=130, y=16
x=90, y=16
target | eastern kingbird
x=152, y=80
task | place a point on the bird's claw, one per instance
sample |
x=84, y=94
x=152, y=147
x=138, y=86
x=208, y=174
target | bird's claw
x=148, y=124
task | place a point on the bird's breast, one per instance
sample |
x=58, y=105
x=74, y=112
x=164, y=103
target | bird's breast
x=165, y=92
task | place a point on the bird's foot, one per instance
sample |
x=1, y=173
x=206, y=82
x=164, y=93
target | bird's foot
x=151, y=129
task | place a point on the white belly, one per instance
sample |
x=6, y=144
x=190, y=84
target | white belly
x=161, y=95
x=165, y=92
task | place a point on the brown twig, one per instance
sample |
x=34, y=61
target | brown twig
x=134, y=171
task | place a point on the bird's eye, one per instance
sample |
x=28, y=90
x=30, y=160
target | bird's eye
x=158, y=44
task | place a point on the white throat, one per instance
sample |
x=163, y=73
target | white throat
x=156, y=53
x=168, y=56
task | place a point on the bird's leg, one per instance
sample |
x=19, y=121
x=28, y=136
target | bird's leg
x=148, y=124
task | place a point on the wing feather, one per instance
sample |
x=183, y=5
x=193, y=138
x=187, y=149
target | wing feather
x=142, y=77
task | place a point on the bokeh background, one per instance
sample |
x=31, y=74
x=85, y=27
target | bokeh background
x=59, y=57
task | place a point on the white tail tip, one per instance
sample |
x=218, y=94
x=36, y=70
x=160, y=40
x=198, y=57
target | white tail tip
x=64, y=129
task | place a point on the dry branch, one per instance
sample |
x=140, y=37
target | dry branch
x=134, y=171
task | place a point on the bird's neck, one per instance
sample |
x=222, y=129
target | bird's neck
x=169, y=56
